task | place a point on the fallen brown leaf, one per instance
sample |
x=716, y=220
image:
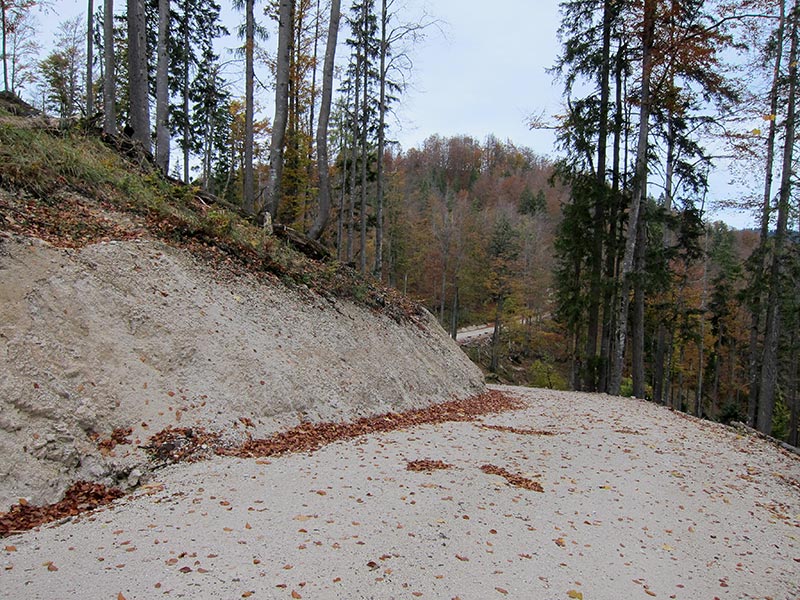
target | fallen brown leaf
x=513, y=479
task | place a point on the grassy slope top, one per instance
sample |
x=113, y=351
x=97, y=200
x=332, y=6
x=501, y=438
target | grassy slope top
x=71, y=188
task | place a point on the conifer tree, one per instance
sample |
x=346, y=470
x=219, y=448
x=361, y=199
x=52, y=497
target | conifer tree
x=193, y=63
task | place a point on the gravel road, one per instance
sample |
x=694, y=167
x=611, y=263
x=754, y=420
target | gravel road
x=636, y=502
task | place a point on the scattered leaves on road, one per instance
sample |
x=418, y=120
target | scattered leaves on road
x=512, y=478
x=426, y=465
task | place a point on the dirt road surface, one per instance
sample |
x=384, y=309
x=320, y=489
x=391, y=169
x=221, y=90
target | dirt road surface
x=635, y=502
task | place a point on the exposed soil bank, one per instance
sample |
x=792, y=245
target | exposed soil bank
x=141, y=335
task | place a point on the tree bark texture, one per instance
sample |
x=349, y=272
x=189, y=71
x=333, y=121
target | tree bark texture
x=109, y=82
x=162, y=88
x=323, y=168
x=364, y=148
x=637, y=323
x=4, y=46
x=596, y=271
x=137, y=74
x=248, y=193
x=90, y=60
x=279, y=123
x=379, y=192
x=769, y=363
x=639, y=191
x=757, y=314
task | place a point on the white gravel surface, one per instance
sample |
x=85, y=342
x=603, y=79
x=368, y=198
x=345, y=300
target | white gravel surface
x=638, y=502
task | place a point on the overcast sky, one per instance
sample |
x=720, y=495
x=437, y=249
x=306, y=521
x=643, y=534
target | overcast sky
x=484, y=73
x=481, y=72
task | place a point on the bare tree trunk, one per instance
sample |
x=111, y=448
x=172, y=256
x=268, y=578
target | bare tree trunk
x=698, y=404
x=766, y=209
x=607, y=338
x=364, y=153
x=637, y=322
x=248, y=191
x=186, y=124
x=342, y=193
x=3, y=10
x=90, y=60
x=640, y=188
x=351, y=208
x=109, y=83
x=384, y=49
x=311, y=115
x=279, y=123
x=137, y=74
x=658, y=368
x=769, y=364
x=322, y=128
x=595, y=287
x=162, y=89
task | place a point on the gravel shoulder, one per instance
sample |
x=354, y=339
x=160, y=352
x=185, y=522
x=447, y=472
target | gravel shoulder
x=637, y=502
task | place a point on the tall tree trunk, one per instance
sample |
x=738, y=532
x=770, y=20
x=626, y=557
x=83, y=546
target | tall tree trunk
x=187, y=125
x=661, y=336
x=162, y=89
x=364, y=148
x=291, y=187
x=379, y=193
x=137, y=73
x=769, y=363
x=279, y=123
x=607, y=338
x=637, y=322
x=323, y=169
x=766, y=209
x=601, y=197
x=187, y=65
x=109, y=82
x=351, y=217
x=701, y=361
x=639, y=191
x=90, y=60
x=3, y=9
x=248, y=191
x=343, y=147
x=311, y=115
x=354, y=152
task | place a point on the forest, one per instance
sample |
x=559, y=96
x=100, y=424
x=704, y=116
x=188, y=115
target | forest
x=600, y=270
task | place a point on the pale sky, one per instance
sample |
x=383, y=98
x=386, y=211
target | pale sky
x=481, y=72
x=484, y=73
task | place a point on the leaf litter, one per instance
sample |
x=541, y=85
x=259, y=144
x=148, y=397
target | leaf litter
x=172, y=445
